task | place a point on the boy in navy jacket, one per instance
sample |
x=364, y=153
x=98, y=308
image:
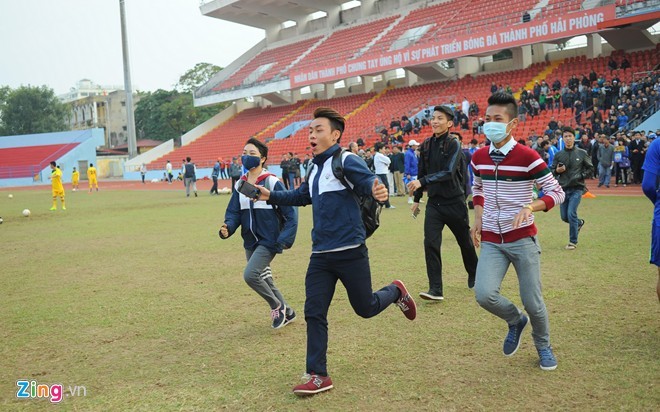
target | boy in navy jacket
x=265, y=231
x=338, y=243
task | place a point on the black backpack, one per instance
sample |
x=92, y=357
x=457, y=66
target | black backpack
x=369, y=207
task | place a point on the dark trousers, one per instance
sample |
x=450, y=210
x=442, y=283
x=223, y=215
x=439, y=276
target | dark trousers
x=351, y=267
x=292, y=180
x=223, y=173
x=285, y=180
x=383, y=180
x=214, y=188
x=455, y=216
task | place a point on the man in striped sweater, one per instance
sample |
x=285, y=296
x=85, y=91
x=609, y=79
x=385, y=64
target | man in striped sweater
x=504, y=176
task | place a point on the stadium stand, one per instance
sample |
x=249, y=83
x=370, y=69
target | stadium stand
x=27, y=161
x=278, y=58
x=369, y=36
x=228, y=139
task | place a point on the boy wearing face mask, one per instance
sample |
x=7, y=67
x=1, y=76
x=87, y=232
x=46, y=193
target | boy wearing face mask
x=441, y=173
x=266, y=231
x=504, y=177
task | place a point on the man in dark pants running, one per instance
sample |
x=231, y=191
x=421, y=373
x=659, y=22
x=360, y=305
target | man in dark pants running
x=338, y=243
x=442, y=174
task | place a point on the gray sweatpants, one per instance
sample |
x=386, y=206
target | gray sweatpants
x=259, y=277
x=189, y=181
x=494, y=260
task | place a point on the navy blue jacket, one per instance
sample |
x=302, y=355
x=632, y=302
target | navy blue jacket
x=260, y=225
x=336, y=214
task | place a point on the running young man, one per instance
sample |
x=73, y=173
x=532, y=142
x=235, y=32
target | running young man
x=265, y=231
x=442, y=174
x=338, y=243
x=504, y=177
x=56, y=182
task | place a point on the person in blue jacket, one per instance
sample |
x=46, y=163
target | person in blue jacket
x=338, y=243
x=410, y=165
x=266, y=231
x=650, y=186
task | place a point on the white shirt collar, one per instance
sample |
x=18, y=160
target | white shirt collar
x=504, y=149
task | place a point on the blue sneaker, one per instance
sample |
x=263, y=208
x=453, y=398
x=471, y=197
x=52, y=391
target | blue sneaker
x=279, y=316
x=512, y=340
x=547, y=360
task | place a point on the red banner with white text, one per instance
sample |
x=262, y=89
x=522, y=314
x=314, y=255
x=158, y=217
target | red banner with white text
x=538, y=31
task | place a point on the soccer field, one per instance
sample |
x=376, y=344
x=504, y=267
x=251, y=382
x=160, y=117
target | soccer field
x=133, y=297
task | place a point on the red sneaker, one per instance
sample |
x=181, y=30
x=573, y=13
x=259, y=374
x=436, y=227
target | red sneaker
x=314, y=384
x=405, y=302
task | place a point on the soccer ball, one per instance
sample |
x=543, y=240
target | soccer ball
x=154, y=180
x=26, y=212
x=10, y=196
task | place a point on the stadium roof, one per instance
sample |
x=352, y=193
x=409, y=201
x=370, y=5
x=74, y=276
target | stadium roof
x=266, y=13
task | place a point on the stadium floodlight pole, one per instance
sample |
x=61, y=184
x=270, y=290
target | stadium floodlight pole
x=130, y=119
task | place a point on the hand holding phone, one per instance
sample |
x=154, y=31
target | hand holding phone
x=248, y=189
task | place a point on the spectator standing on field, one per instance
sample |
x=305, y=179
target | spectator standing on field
x=189, y=176
x=168, y=172
x=605, y=159
x=398, y=169
x=505, y=174
x=214, y=175
x=235, y=172
x=410, y=160
x=382, y=166
x=143, y=172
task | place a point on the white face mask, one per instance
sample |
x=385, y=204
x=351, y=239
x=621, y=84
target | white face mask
x=496, y=131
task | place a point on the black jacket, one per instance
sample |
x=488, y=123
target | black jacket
x=578, y=167
x=442, y=169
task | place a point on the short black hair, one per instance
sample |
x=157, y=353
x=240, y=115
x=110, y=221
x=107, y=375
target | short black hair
x=507, y=100
x=337, y=121
x=378, y=146
x=188, y=159
x=448, y=112
x=261, y=147
x=90, y=165
x=568, y=129
x=53, y=163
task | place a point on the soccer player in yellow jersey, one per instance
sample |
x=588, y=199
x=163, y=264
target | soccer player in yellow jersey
x=58, y=189
x=75, y=177
x=91, y=176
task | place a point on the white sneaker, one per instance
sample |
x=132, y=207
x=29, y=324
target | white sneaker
x=410, y=201
x=391, y=207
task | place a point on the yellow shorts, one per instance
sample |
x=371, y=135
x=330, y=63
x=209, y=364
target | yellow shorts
x=58, y=193
x=74, y=182
x=93, y=182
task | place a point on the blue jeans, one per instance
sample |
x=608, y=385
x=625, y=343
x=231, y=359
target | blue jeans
x=568, y=212
x=494, y=261
x=605, y=173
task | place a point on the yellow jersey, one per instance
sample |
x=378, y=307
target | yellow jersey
x=56, y=180
x=91, y=173
x=75, y=176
